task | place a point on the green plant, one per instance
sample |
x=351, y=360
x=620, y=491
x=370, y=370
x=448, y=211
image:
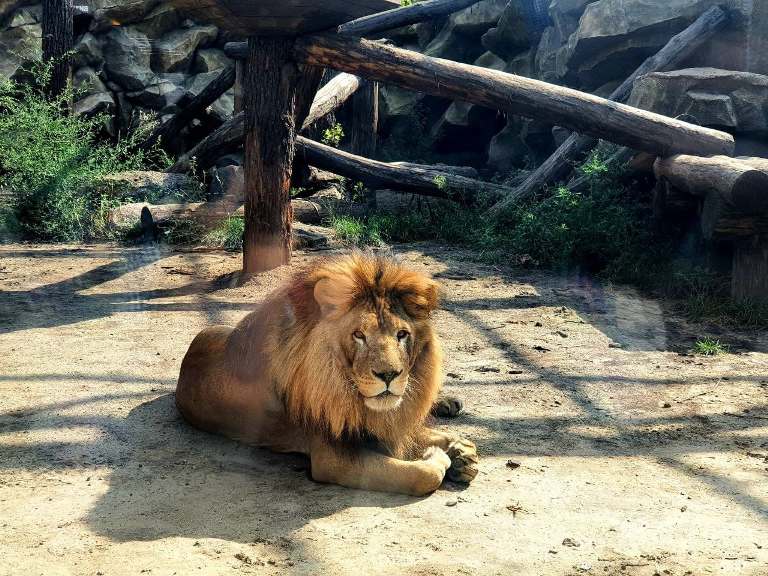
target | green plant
x=333, y=136
x=441, y=182
x=709, y=347
x=228, y=234
x=49, y=160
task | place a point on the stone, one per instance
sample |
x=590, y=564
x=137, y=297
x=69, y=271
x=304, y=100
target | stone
x=736, y=101
x=87, y=51
x=159, y=21
x=478, y=18
x=210, y=60
x=615, y=36
x=86, y=81
x=457, y=39
x=227, y=182
x=566, y=14
x=19, y=45
x=510, y=36
x=97, y=103
x=160, y=95
x=175, y=51
x=151, y=186
x=127, y=58
x=117, y=13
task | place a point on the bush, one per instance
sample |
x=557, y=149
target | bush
x=49, y=159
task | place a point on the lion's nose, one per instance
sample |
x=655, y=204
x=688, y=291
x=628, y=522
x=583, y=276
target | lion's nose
x=387, y=377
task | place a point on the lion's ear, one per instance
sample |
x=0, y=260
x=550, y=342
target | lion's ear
x=420, y=299
x=334, y=295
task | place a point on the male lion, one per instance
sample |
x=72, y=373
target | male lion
x=341, y=364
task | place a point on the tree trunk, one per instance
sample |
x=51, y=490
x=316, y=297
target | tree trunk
x=749, y=280
x=576, y=147
x=58, y=41
x=270, y=91
x=365, y=127
x=331, y=96
x=171, y=127
x=427, y=182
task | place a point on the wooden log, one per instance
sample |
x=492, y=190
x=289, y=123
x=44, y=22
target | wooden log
x=586, y=113
x=230, y=135
x=466, y=171
x=365, y=127
x=576, y=146
x=212, y=92
x=403, y=16
x=749, y=277
x=428, y=182
x=207, y=214
x=58, y=42
x=739, y=183
x=331, y=96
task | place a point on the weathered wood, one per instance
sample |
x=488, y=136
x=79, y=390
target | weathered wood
x=166, y=131
x=466, y=171
x=232, y=133
x=577, y=146
x=331, y=96
x=749, y=278
x=58, y=42
x=427, y=182
x=576, y=110
x=417, y=12
x=739, y=183
x=280, y=17
x=270, y=97
x=206, y=214
x=365, y=127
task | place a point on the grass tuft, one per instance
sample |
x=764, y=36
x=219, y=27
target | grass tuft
x=709, y=347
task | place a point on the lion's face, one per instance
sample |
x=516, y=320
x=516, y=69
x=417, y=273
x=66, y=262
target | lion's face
x=377, y=313
x=378, y=347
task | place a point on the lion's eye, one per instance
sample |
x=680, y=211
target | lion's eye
x=402, y=334
x=358, y=335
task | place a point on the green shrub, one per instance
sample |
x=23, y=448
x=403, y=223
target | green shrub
x=333, y=136
x=49, y=160
x=228, y=234
x=709, y=347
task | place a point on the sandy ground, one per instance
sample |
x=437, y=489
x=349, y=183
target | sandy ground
x=606, y=448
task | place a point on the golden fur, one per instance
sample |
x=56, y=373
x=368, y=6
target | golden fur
x=340, y=358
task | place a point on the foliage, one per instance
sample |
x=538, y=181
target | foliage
x=49, y=160
x=333, y=136
x=228, y=234
x=709, y=347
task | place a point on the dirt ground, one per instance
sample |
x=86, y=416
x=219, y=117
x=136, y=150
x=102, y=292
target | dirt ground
x=606, y=448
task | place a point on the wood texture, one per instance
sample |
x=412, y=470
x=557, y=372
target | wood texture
x=403, y=16
x=364, y=126
x=331, y=96
x=749, y=278
x=577, y=146
x=280, y=17
x=270, y=91
x=586, y=113
x=427, y=182
x=58, y=42
x=166, y=131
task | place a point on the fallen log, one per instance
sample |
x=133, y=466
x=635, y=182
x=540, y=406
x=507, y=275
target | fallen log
x=331, y=96
x=397, y=17
x=466, y=171
x=561, y=162
x=427, y=182
x=585, y=113
x=212, y=92
x=207, y=214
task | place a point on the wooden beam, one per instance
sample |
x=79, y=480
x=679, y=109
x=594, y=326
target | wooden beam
x=403, y=16
x=586, y=113
x=331, y=96
x=575, y=148
x=427, y=182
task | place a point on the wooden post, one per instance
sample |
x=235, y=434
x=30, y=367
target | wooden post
x=58, y=41
x=365, y=127
x=749, y=279
x=270, y=103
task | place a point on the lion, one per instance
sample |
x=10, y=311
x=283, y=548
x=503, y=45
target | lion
x=341, y=364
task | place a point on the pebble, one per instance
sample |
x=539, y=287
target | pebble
x=451, y=502
x=663, y=404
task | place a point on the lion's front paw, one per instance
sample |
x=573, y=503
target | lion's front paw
x=463, y=455
x=437, y=456
x=447, y=407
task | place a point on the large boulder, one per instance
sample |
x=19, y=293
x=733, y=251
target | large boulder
x=615, y=36
x=20, y=40
x=127, y=57
x=736, y=101
x=87, y=51
x=175, y=51
x=510, y=36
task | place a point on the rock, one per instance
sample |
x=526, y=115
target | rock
x=25, y=16
x=458, y=38
x=163, y=95
x=615, y=36
x=20, y=44
x=308, y=237
x=707, y=96
x=663, y=404
x=571, y=543
x=114, y=13
x=478, y=18
x=86, y=81
x=210, y=60
x=174, y=52
x=149, y=186
x=127, y=58
x=546, y=57
x=227, y=182
x=159, y=21
x=98, y=103
x=510, y=36
x=87, y=51
x=566, y=14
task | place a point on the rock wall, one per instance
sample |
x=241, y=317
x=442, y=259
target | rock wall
x=136, y=57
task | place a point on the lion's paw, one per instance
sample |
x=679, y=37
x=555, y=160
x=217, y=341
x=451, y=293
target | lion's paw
x=463, y=455
x=447, y=407
x=437, y=456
